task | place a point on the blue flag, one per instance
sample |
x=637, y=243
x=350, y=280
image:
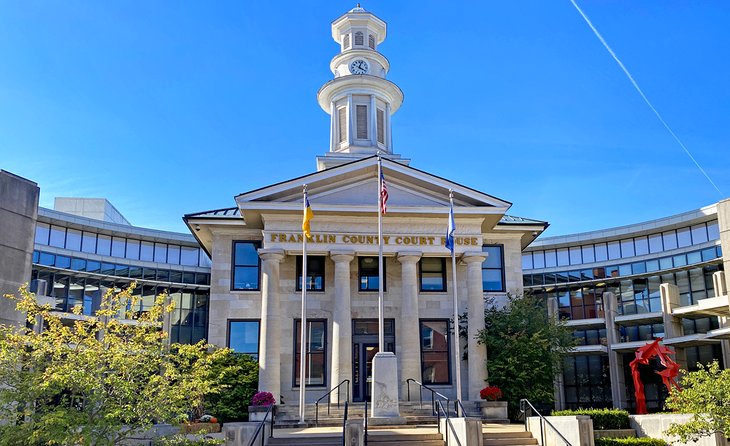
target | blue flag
x=450, y=230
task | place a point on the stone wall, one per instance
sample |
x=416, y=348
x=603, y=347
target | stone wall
x=18, y=214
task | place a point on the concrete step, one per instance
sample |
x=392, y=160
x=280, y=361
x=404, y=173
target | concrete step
x=502, y=435
x=509, y=441
x=379, y=439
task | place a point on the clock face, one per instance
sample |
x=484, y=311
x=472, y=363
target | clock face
x=359, y=66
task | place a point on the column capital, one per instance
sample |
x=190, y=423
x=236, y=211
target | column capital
x=275, y=254
x=342, y=256
x=409, y=256
x=474, y=257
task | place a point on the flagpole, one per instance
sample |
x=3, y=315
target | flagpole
x=303, y=345
x=381, y=308
x=457, y=355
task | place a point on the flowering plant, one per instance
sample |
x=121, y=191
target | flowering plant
x=263, y=399
x=491, y=393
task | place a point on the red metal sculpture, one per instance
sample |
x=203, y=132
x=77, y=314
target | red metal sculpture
x=669, y=374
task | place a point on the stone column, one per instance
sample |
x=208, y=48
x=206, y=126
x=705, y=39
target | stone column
x=270, y=342
x=558, y=384
x=672, y=325
x=720, y=286
x=723, y=221
x=615, y=359
x=477, y=364
x=341, y=324
x=409, y=354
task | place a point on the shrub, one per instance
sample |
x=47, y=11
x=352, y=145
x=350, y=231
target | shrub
x=184, y=440
x=603, y=419
x=263, y=399
x=237, y=379
x=490, y=393
x=632, y=441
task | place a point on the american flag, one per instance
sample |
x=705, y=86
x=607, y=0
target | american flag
x=383, y=194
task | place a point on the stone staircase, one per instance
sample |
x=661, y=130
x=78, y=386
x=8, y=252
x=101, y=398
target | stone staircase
x=376, y=438
x=507, y=435
x=288, y=416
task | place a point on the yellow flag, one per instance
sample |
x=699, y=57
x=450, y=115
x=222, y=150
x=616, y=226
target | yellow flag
x=308, y=214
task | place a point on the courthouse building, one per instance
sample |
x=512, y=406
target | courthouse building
x=236, y=277
x=256, y=249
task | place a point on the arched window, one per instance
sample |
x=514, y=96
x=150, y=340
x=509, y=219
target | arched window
x=346, y=42
x=359, y=38
x=371, y=41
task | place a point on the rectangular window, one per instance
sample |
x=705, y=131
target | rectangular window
x=381, y=126
x=614, y=250
x=538, y=258
x=173, y=254
x=601, y=252
x=435, y=357
x=699, y=234
x=88, y=242
x=73, y=239
x=316, y=355
x=684, y=237
x=42, y=232
x=368, y=273
x=58, y=236
x=118, y=247
x=243, y=337
x=132, y=249
x=146, y=251
x=104, y=245
x=189, y=256
x=670, y=240
x=315, y=273
x=161, y=253
x=361, y=114
x=627, y=248
x=526, y=260
x=493, y=268
x=246, y=266
x=642, y=246
x=588, y=254
x=432, y=274
x=713, y=230
x=655, y=243
x=342, y=124
x=575, y=255
x=551, y=260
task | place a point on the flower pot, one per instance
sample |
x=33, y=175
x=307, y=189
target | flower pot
x=257, y=413
x=493, y=410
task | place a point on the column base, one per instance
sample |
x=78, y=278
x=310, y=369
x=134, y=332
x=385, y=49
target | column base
x=385, y=386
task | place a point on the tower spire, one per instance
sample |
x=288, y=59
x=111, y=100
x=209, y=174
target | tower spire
x=360, y=100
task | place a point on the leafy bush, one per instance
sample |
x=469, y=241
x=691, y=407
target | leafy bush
x=183, y=440
x=603, y=419
x=632, y=441
x=237, y=378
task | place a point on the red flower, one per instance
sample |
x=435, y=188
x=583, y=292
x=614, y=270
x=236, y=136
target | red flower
x=491, y=393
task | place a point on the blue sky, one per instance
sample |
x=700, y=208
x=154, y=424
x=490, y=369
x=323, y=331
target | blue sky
x=167, y=108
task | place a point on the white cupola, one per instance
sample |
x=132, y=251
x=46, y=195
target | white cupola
x=360, y=100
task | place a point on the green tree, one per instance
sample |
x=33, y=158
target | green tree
x=525, y=349
x=705, y=394
x=96, y=380
x=237, y=379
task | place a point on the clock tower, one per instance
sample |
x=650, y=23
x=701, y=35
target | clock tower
x=360, y=100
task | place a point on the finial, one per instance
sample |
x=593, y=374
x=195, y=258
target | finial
x=304, y=186
x=451, y=193
x=358, y=5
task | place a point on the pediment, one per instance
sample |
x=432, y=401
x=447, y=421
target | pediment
x=354, y=186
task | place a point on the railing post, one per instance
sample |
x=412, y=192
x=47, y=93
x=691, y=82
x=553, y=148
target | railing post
x=316, y=413
x=542, y=430
x=271, y=430
x=408, y=386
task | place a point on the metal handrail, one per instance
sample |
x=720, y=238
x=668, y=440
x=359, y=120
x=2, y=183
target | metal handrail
x=523, y=409
x=365, y=421
x=337, y=388
x=434, y=393
x=261, y=426
x=449, y=426
x=344, y=426
x=458, y=404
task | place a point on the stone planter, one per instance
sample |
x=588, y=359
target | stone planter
x=257, y=413
x=493, y=410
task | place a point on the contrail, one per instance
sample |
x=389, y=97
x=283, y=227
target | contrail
x=643, y=96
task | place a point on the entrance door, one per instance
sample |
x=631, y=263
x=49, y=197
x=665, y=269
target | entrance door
x=364, y=348
x=363, y=370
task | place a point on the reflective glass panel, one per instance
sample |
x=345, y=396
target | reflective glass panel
x=58, y=236
x=670, y=240
x=684, y=237
x=104, y=245
x=42, y=232
x=601, y=252
x=243, y=337
x=642, y=246
x=132, y=251
x=588, y=254
x=119, y=245
x=73, y=239
x=627, y=248
x=699, y=234
x=655, y=243
x=189, y=256
x=88, y=242
x=614, y=250
x=146, y=251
